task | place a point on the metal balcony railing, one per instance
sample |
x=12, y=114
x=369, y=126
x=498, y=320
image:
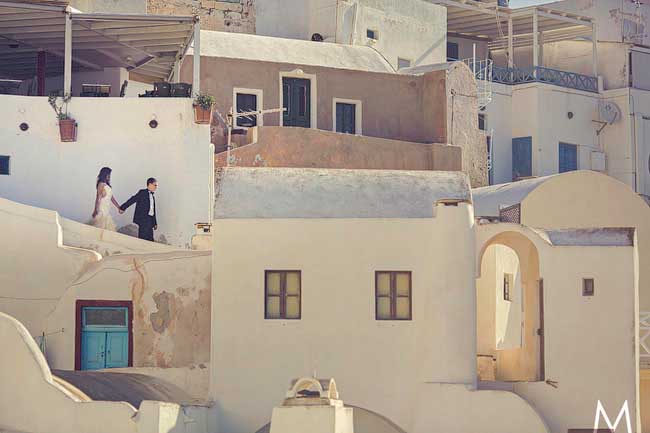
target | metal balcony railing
x=482, y=70
x=539, y=74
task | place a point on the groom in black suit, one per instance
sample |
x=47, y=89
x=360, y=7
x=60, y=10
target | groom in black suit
x=145, y=210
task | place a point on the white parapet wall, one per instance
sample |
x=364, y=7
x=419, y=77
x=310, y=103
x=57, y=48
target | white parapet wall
x=32, y=401
x=113, y=132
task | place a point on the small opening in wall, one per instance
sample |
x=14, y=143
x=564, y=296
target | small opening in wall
x=372, y=34
x=588, y=287
x=153, y=124
x=4, y=165
x=23, y=126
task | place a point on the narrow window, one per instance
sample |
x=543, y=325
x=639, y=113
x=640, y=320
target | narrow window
x=452, y=51
x=282, y=294
x=372, y=34
x=346, y=118
x=392, y=295
x=4, y=164
x=507, y=285
x=246, y=102
x=587, y=287
x=482, y=121
x=403, y=63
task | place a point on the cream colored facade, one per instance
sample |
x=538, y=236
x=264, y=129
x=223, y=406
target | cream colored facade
x=410, y=30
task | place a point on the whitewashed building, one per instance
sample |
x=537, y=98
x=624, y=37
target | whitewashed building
x=48, y=47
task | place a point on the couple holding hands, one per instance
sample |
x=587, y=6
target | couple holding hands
x=145, y=206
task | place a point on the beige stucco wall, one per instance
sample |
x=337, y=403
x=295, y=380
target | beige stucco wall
x=31, y=400
x=42, y=278
x=579, y=344
x=499, y=321
x=301, y=147
x=171, y=307
x=338, y=335
x=35, y=265
x=578, y=200
x=394, y=106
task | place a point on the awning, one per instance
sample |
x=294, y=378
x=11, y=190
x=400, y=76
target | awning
x=488, y=21
x=147, y=44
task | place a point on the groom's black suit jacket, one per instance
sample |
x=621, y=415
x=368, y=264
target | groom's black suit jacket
x=141, y=200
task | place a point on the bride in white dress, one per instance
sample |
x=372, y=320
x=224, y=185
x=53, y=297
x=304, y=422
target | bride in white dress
x=101, y=214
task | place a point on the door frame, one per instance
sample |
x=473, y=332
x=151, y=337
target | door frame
x=313, y=103
x=80, y=304
x=358, y=113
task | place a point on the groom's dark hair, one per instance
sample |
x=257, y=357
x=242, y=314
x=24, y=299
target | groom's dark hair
x=151, y=180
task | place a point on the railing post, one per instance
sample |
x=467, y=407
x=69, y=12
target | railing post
x=594, y=49
x=67, y=54
x=535, y=40
x=511, y=53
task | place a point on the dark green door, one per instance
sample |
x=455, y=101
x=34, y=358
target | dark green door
x=296, y=96
x=522, y=157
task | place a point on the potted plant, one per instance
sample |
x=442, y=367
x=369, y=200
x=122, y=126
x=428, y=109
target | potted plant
x=67, y=125
x=203, y=108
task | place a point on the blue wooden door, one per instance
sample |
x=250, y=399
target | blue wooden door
x=568, y=157
x=93, y=346
x=117, y=349
x=104, y=338
x=522, y=157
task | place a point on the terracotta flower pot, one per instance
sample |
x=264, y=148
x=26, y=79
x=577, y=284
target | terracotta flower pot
x=68, y=129
x=202, y=115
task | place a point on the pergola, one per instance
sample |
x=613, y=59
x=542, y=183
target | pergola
x=49, y=38
x=505, y=29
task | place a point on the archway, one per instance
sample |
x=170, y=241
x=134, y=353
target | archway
x=509, y=312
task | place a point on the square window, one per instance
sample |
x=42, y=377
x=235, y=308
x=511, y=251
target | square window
x=372, y=34
x=282, y=293
x=588, y=287
x=393, y=295
x=4, y=164
x=507, y=286
x=246, y=102
x=403, y=63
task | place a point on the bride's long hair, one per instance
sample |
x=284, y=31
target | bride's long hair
x=103, y=176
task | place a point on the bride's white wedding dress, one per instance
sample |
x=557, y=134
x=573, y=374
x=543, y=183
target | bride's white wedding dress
x=103, y=219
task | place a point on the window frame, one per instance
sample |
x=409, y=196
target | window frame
x=283, y=296
x=259, y=93
x=313, y=94
x=375, y=32
x=358, y=113
x=393, y=296
x=452, y=43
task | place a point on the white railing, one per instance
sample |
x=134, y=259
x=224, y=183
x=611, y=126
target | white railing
x=482, y=70
x=644, y=339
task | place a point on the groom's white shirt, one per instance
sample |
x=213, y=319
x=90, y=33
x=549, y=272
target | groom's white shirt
x=151, y=211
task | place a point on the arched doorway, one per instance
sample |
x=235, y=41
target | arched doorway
x=509, y=291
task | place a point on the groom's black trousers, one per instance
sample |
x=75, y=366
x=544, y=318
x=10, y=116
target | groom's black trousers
x=145, y=228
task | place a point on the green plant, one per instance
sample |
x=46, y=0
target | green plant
x=61, y=109
x=204, y=101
